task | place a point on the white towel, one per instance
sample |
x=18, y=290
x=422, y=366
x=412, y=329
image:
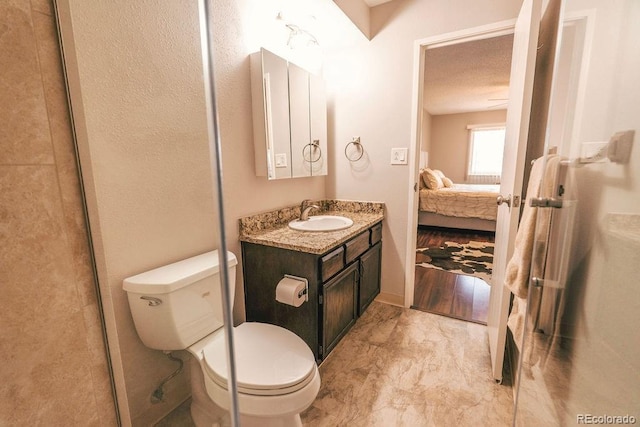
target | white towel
x=548, y=190
x=519, y=266
x=516, y=321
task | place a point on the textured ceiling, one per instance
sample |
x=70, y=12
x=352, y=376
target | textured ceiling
x=471, y=76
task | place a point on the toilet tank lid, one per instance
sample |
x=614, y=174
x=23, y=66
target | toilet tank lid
x=174, y=276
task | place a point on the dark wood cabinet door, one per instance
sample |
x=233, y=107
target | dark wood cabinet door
x=339, y=307
x=369, y=277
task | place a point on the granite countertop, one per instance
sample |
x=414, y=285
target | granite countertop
x=271, y=228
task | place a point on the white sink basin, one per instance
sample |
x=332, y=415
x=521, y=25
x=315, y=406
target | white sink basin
x=322, y=223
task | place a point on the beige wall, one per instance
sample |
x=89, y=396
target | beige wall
x=54, y=368
x=450, y=140
x=371, y=87
x=425, y=129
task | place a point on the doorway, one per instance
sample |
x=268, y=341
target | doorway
x=486, y=99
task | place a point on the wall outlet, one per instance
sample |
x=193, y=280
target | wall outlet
x=281, y=160
x=399, y=156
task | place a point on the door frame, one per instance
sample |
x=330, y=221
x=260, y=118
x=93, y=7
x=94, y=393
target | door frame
x=419, y=49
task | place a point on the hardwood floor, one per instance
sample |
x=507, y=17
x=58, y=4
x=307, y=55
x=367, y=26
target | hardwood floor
x=450, y=294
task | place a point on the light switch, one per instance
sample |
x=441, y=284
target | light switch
x=281, y=160
x=399, y=156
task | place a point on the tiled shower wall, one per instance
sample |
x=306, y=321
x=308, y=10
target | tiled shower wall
x=53, y=368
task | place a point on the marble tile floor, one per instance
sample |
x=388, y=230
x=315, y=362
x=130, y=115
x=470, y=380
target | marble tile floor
x=403, y=367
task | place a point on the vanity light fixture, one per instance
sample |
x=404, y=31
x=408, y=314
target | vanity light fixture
x=298, y=36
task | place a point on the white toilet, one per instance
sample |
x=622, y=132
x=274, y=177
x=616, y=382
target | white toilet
x=179, y=307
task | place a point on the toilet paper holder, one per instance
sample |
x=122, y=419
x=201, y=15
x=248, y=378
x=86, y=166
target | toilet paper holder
x=292, y=290
x=304, y=291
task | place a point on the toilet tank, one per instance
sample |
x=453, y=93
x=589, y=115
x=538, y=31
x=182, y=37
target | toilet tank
x=177, y=305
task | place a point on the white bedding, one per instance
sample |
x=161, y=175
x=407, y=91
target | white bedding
x=462, y=200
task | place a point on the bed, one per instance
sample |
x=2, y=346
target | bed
x=466, y=206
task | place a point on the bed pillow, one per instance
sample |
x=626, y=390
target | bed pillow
x=421, y=181
x=447, y=182
x=431, y=179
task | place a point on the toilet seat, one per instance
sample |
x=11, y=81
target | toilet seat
x=270, y=360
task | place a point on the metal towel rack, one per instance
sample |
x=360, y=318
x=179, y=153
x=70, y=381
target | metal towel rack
x=359, y=150
x=313, y=147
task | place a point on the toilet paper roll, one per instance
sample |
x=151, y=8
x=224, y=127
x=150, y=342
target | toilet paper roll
x=292, y=290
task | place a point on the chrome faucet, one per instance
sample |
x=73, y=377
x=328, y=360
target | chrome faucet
x=305, y=208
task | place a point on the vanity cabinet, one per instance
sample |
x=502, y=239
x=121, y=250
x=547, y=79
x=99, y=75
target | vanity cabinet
x=339, y=307
x=289, y=118
x=342, y=283
x=369, y=277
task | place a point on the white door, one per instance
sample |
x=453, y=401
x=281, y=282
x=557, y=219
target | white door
x=518, y=111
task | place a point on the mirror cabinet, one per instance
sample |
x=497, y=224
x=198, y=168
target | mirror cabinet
x=289, y=118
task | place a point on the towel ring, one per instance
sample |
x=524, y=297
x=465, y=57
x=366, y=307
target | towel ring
x=311, y=146
x=356, y=143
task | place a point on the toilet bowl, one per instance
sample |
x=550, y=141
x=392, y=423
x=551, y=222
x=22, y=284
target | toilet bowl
x=179, y=307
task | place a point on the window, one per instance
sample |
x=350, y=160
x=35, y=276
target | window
x=486, y=147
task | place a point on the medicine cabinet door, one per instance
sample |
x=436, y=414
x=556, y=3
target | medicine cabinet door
x=299, y=117
x=270, y=90
x=318, y=126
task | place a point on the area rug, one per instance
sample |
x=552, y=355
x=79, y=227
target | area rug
x=473, y=258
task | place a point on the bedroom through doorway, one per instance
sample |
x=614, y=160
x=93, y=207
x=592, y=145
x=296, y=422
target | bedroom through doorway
x=462, y=94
